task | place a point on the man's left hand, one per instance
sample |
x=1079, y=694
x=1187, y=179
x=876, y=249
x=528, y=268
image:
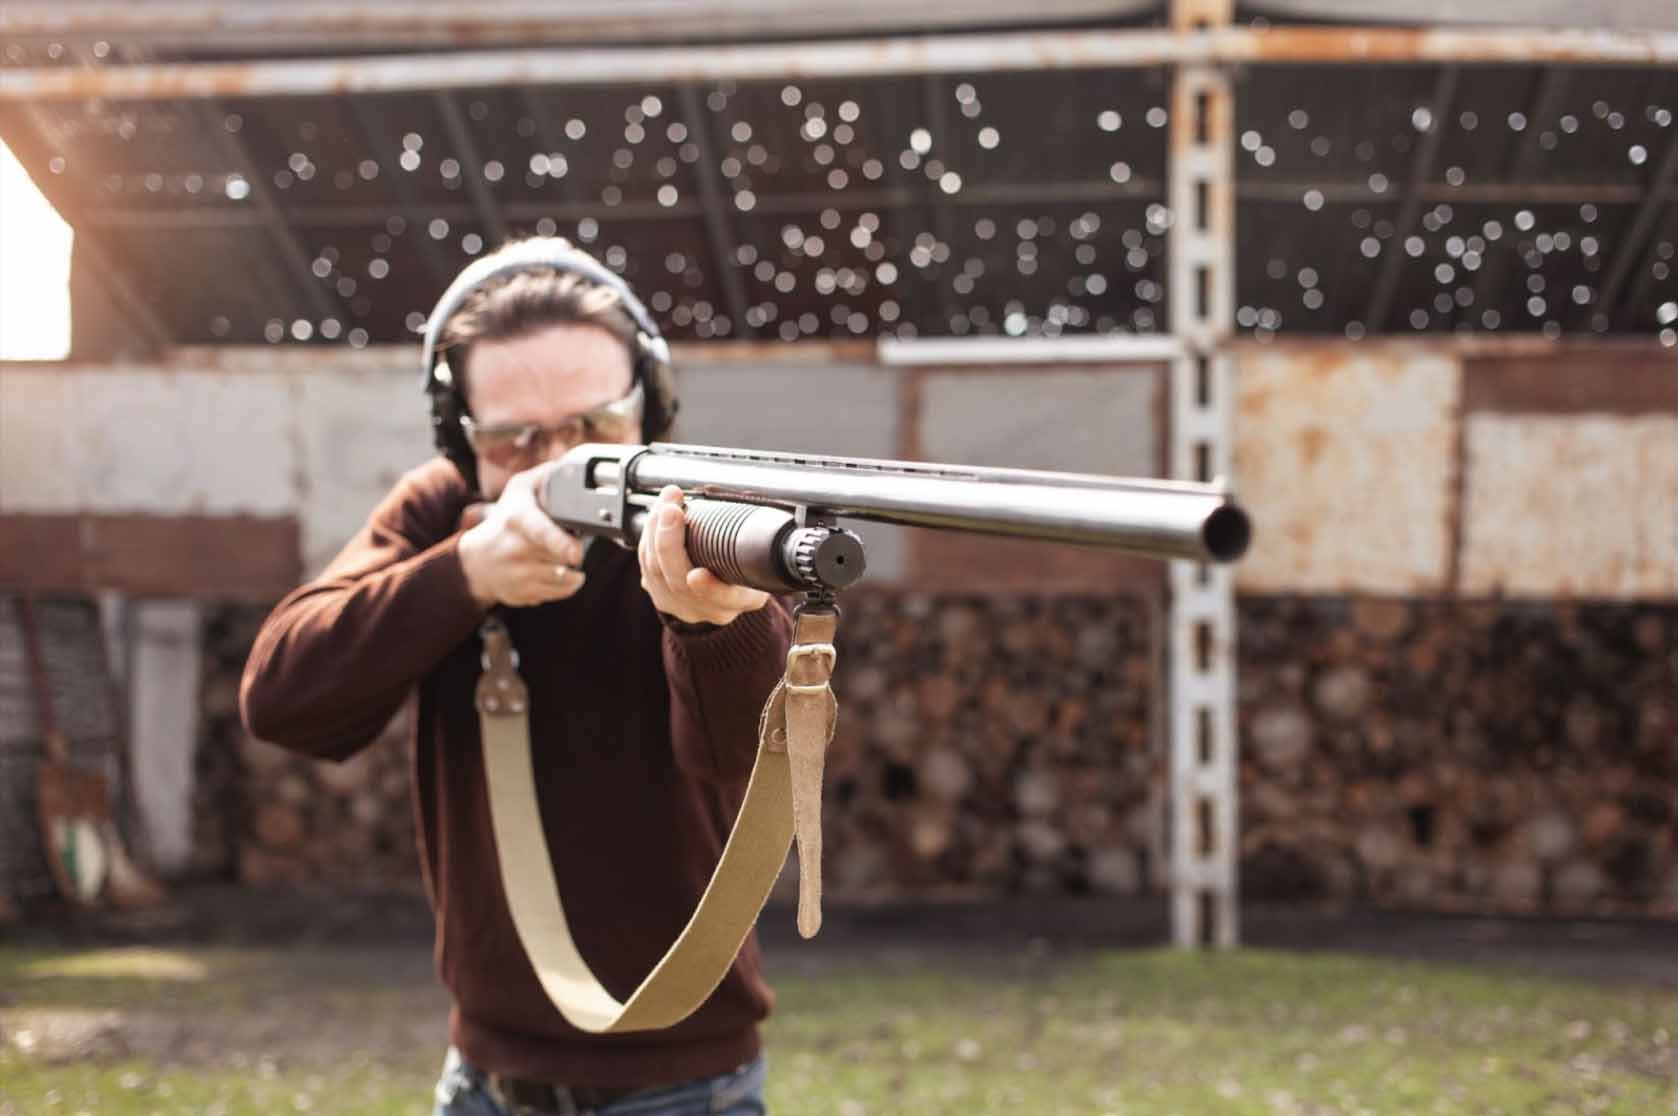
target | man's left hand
x=678, y=588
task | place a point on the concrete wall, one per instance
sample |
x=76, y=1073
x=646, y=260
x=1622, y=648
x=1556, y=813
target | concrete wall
x=1385, y=468
x=238, y=455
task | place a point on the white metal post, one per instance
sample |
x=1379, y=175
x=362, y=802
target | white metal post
x=1204, y=834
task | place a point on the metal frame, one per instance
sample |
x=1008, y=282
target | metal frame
x=816, y=60
x=1204, y=832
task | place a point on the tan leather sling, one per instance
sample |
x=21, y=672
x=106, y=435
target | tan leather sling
x=783, y=800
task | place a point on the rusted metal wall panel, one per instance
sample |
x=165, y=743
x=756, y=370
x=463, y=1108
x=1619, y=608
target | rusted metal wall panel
x=1345, y=458
x=1583, y=506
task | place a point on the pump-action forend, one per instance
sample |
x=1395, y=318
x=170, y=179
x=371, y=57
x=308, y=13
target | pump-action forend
x=770, y=520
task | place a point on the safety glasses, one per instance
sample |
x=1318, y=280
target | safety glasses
x=516, y=443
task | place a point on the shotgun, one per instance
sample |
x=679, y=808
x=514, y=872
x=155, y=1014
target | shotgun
x=772, y=520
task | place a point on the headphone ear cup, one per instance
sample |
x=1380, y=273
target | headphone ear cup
x=658, y=380
x=447, y=435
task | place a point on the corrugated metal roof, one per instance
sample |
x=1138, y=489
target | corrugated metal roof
x=905, y=205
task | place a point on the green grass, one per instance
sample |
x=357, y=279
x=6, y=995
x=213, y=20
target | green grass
x=236, y=1032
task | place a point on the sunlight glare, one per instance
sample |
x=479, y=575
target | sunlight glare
x=34, y=270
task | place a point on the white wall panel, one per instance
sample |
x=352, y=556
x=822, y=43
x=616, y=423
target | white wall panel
x=359, y=430
x=1093, y=421
x=1344, y=457
x=1582, y=506
x=38, y=470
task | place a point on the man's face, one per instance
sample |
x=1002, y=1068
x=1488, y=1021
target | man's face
x=544, y=378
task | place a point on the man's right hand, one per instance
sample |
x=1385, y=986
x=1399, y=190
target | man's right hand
x=516, y=555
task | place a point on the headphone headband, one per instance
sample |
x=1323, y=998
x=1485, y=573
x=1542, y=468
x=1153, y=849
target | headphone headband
x=546, y=253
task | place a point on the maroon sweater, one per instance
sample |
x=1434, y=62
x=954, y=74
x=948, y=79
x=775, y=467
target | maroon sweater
x=643, y=738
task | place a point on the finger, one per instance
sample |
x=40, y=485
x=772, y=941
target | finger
x=667, y=496
x=547, y=582
x=652, y=577
x=670, y=546
x=716, y=592
x=560, y=545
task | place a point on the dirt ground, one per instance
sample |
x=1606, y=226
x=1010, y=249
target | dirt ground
x=1634, y=950
x=371, y=953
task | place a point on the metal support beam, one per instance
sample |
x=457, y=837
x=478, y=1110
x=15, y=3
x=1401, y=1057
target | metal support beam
x=718, y=225
x=379, y=138
x=937, y=124
x=574, y=207
x=1205, y=837
x=288, y=246
x=899, y=197
x=1637, y=241
x=873, y=57
x=998, y=194
x=471, y=169
x=1410, y=212
x=288, y=24
x=1545, y=106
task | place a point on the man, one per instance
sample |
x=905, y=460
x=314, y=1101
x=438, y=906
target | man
x=646, y=678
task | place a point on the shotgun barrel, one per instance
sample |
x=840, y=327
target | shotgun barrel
x=604, y=489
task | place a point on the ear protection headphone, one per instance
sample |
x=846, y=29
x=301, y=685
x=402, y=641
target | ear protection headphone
x=649, y=351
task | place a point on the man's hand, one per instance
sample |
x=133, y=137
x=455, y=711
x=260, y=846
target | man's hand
x=678, y=588
x=516, y=555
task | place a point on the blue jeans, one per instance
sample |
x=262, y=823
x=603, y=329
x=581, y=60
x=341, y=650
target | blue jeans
x=463, y=1090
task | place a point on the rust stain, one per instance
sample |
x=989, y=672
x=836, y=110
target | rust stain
x=1328, y=44
x=1312, y=441
x=1574, y=383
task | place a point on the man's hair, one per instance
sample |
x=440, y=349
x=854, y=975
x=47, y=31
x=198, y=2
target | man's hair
x=525, y=303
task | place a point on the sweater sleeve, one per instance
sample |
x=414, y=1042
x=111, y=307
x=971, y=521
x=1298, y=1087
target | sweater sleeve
x=719, y=679
x=336, y=658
